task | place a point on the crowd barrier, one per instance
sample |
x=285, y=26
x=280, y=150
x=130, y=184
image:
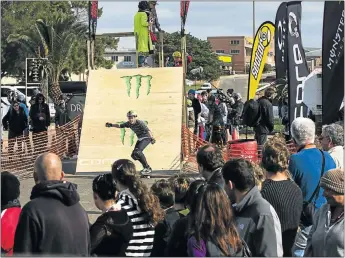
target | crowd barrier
x=18, y=155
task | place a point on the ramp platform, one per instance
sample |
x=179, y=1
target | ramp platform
x=155, y=94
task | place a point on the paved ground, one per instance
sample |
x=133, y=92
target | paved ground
x=84, y=183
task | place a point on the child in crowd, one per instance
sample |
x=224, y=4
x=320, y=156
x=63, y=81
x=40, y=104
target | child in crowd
x=180, y=185
x=163, y=190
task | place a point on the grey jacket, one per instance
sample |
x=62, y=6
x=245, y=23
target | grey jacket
x=259, y=225
x=325, y=240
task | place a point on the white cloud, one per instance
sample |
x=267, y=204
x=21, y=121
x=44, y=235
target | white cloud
x=213, y=18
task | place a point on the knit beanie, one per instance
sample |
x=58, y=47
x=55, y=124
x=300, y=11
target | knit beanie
x=10, y=188
x=333, y=180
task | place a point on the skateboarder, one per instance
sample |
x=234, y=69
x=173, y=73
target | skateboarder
x=144, y=136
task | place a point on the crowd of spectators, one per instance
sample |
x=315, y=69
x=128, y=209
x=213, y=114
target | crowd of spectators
x=288, y=205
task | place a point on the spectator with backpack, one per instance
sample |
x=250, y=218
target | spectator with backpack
x=307, y=167
x=163, y=190
x=259, y=115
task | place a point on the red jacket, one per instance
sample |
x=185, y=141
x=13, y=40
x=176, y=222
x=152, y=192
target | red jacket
x=9, y=222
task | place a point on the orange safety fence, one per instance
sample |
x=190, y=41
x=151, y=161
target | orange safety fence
x=18, y=154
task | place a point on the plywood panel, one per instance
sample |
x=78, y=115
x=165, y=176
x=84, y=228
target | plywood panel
x=110, y=95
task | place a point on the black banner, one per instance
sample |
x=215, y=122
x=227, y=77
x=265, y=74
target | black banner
x=93, y=15
x=297, y=65
x=280, y=41
x=75, y=106
x=184, y=6
x=332, y=60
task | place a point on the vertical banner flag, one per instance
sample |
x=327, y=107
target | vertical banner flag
x=261, y=47
x=280, y=41
x=184, y=6
x=297, y=65
x=93, y=15
x=332, y=60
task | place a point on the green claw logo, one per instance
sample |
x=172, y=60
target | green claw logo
x=138, y=83
x=123, y=132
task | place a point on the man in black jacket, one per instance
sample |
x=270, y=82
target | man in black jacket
x=16, y=122
x=266, y=122
x=40, y=117
x=53, y=223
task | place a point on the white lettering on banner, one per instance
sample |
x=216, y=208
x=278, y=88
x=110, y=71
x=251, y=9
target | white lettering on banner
x=298, y=60
x=76, y=108
x=264, y=41
x=335, y=53
x=281, y=38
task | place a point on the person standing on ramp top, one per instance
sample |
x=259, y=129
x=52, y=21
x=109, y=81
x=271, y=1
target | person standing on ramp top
x=144, y=136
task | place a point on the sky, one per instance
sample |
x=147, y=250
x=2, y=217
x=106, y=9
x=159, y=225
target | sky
x=211, y=19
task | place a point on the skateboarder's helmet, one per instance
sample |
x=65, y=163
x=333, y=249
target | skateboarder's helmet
x=132, y=113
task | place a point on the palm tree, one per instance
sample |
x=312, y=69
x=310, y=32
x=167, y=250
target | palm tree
x=53, y=40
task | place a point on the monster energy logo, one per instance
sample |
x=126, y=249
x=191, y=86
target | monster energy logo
x=138, y=82
x=132, y=135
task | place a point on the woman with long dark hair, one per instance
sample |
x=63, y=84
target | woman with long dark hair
x=211, y=226
x=142, y=206
x=112, y=231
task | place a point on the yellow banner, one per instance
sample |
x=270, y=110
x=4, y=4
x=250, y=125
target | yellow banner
x=261, y=47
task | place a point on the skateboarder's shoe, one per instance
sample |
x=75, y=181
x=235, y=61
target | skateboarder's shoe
x=146, y=171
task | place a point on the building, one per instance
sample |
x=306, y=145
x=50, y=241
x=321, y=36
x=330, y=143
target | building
x=240, y=48
x=123, y=58
x=226, y=62
x=314, y=58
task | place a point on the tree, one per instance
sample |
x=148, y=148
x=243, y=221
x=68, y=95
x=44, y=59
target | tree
x=18, y=17
x=53, y=40
x=201, y=52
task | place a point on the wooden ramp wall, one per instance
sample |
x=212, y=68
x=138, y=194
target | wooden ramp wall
x=154, y=93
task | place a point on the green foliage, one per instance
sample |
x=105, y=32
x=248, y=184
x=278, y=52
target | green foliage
x=201, y=52
x=19, y=25
x=268, y=68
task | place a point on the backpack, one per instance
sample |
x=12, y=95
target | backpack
x=251, y=113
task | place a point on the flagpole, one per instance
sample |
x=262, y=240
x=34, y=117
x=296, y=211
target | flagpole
x=253, y=20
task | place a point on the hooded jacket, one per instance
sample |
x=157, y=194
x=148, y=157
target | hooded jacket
x=15, y=122
x=325, y=240
x=38, y=110
x=53, y=222
x=111, y=233
x=258, y=225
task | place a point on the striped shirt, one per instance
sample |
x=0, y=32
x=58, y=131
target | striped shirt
x=143, y=233
x=139, y=128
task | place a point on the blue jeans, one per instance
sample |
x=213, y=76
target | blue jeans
x=301, y=241
x=141, y=60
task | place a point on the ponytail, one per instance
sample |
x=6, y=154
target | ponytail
x=124, y=172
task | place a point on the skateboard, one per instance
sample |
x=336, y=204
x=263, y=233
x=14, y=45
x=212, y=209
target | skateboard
x=145, y=176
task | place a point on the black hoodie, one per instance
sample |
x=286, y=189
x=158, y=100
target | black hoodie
x=53, y=222
x=111, y=233
x=40, y=110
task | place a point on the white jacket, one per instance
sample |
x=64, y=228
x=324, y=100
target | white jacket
x=337, y=153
